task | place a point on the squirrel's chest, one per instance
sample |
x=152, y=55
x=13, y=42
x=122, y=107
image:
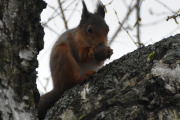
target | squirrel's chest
x=93, y=66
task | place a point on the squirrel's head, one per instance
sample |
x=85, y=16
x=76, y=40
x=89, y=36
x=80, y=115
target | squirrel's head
x=93, y=28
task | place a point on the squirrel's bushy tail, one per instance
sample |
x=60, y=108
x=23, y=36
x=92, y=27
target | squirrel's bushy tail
x=47, y=101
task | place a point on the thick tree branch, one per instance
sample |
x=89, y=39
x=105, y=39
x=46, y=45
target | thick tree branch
x=144, y=84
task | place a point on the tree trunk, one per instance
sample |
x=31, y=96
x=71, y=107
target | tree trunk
x=21, y=39
x=142, y=85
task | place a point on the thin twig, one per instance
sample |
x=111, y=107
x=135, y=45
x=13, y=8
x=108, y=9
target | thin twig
x=137, y=23
x=125, y=3
x=51, y=29
x=152, y=23
x=55, y=11
x=173, y=17
x=120, y=27
x=158, y=14
x=165, y=6
x=125, y=29
x=63, y=16
x=49, y=19
x=70, y=4
x=73, y=11
x=109, y=3
x=44, y=87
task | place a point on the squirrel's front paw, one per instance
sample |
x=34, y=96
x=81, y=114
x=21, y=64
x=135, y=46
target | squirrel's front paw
x=102, y=52
x=91, y=52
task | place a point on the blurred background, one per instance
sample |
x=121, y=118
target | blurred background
x=132, y=23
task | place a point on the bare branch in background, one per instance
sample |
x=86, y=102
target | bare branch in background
x=138, y=18
x=54, y=9
x=73, y=10
x=51, y=29
x=44, y=86
x=62, y=12
x=125, y=29
x=120, y=27
x=165, y=6
x=152, y=23
x=55, y=13
x=109, y=3
x=173, y=17
x=49, y=19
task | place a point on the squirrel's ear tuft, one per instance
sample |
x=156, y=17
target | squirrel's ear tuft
x=85, y=13
x=100, y=9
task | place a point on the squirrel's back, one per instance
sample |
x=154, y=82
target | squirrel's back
x=66, y=38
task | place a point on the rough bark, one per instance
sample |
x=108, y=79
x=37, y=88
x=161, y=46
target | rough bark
x=141, y=85
x=21, y=39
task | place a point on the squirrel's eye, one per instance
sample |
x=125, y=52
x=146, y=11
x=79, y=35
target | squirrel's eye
x=89, y=30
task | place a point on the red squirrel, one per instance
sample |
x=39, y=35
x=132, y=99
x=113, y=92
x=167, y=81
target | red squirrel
x=77, y=54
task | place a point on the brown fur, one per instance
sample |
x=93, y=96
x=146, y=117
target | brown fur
x=76, y=55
